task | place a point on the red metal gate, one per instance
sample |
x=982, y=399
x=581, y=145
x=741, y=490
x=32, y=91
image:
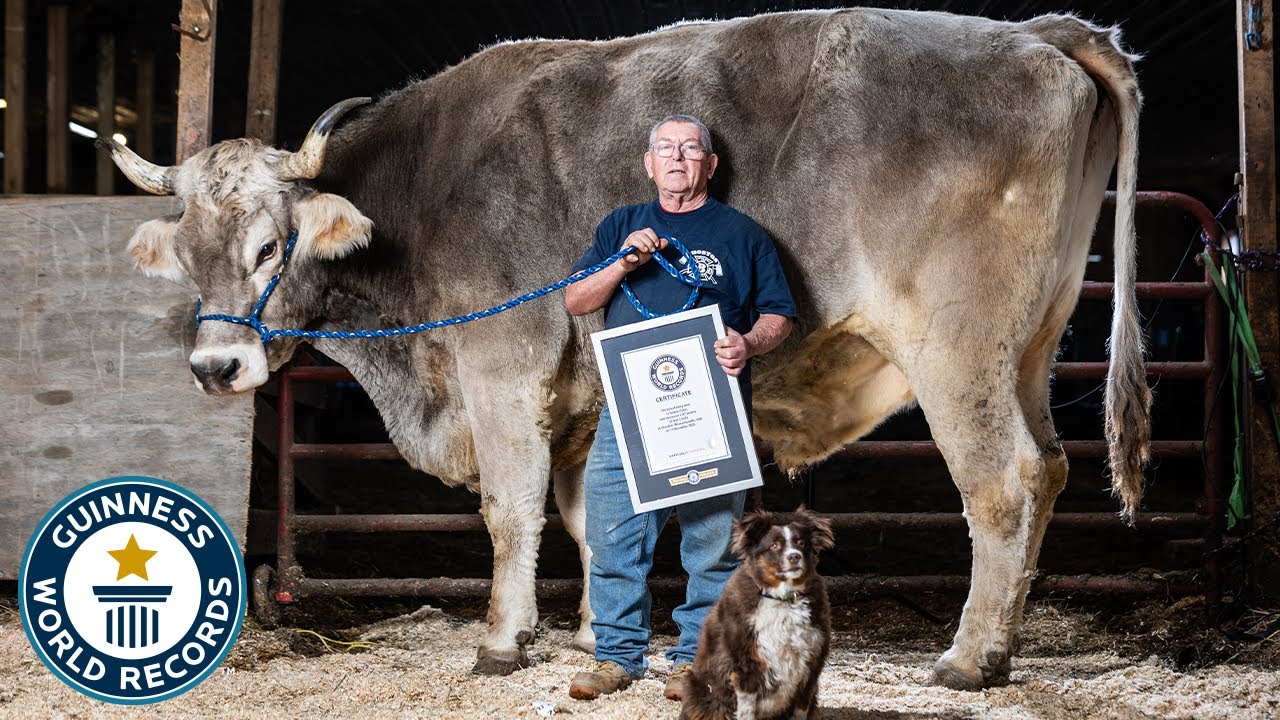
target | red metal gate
x=289, y=583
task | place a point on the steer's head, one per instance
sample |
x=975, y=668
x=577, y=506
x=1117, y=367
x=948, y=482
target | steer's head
x=240, y=201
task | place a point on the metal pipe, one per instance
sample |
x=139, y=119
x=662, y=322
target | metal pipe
x=467, y=588
x=344, y=451
x=457, y=522
x=319, y=373
x=1184, y=522
x=1073, y=448
x=1186, y=203
x=1214, y=505
x=287, y=571
x=1149, y=290
x=440, y=522
x=1159, y=370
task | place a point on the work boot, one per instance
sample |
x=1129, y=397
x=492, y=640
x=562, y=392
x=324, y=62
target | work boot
x=608, y=677
x=678, y=683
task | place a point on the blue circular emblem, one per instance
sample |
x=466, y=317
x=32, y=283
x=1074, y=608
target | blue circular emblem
x=132, y=590
x=667, y=372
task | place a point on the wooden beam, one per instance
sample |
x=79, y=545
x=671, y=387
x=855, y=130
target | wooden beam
x=144, y=132
x=15, y=94
x=106, y=169
x=1255, y=52
x=57, y=140
x=198, y=24
x=264, y=70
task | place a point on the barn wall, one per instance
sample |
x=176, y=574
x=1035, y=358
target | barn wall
x=95, y=381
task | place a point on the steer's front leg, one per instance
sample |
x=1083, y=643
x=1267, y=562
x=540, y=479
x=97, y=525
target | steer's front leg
x=515, y=468
x=512, y=505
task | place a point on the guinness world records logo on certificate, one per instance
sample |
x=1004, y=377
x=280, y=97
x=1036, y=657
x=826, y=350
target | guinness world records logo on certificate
x=681, y=426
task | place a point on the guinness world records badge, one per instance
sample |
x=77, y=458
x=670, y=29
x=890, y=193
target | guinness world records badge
x=132, y=590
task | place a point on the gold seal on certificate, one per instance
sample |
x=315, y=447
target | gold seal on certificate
x=681, y=426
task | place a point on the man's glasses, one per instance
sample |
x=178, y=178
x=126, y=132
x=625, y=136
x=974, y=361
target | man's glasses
x=690, y=150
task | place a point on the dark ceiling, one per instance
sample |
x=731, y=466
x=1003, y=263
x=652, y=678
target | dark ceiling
x=334, y=49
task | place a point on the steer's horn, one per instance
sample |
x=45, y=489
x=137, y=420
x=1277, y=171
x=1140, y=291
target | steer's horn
x=155, y=179
x=307, y=161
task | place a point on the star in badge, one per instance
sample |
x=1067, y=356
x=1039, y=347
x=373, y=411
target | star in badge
x=132, y=559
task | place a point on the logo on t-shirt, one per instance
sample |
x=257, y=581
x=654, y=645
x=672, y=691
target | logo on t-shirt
x=709, y=267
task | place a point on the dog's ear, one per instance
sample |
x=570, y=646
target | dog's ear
x=821, y=536
x=748, y=531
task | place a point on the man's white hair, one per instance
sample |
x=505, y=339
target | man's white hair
x=703, y=133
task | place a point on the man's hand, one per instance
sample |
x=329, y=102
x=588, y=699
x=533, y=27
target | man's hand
x=647, y=242
x=732, y=352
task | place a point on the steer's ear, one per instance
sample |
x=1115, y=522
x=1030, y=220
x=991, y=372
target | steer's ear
x=152, y=249
x=329, y=226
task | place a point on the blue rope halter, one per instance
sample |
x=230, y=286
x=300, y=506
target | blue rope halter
x=254, y=320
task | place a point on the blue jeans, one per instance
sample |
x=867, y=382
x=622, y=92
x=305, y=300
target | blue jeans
x=622, y=546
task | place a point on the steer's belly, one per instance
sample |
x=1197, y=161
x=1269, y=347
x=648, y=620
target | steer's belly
x=833, y=389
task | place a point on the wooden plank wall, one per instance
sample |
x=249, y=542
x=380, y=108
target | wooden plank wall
x=95, y=381
x=199, y=21
x=264, y=70
x=15, y=92
x=1258, y=212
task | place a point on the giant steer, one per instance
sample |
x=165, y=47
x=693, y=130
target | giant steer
x=932, y=182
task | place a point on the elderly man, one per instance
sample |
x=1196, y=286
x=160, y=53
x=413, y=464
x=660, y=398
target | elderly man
x=739, y=268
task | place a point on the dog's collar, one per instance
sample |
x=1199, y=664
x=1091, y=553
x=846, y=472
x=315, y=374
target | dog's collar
x=790, y=598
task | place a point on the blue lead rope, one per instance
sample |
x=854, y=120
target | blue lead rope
x=693, y=279
x=254, y=318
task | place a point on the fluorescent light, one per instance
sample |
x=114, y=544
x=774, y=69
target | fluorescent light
x=3, y=103
x=83, y=131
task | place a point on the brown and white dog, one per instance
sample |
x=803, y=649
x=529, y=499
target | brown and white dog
x=766, y=640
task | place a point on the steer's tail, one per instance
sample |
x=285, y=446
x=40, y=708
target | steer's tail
x=1128, y=399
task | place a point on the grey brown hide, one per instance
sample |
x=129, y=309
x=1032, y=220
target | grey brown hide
x=932, y=182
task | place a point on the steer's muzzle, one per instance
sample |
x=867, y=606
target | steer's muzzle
x=215, y=374
x=229, y=369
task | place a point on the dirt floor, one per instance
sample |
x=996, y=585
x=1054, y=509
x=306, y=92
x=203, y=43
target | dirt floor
x=1080, y=659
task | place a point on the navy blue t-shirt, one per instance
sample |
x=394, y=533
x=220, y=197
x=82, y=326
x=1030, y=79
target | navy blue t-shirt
x=736, y=260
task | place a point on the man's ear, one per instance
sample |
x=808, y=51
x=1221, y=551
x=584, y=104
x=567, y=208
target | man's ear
x=329, y=227
x=152, y=249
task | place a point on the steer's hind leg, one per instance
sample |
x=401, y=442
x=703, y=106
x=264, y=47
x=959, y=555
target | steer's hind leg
x=972, y=407
x=1033, y=397
x=571, y=501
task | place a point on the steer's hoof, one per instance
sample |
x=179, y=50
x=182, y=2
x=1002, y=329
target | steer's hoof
x=999, y=672
x=948, y=674
x=500, y=662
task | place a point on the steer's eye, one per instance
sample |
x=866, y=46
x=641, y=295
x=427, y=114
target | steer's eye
x=268, y=249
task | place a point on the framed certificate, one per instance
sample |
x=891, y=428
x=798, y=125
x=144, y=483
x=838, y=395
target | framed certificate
x=681, y=426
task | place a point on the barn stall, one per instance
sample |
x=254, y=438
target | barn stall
x=331, y=514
